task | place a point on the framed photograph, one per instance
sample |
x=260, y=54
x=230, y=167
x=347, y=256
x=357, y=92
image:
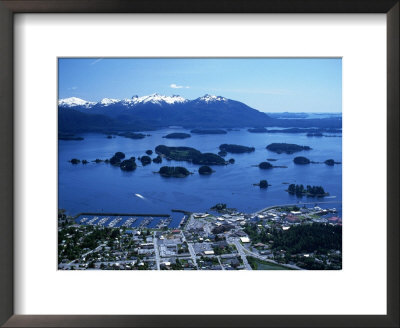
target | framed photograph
x=162, y=160
x=199, y=164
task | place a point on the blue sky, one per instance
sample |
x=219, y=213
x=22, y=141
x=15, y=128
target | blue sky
x=267, y=84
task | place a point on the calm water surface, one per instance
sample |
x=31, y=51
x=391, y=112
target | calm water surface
x=105, y=188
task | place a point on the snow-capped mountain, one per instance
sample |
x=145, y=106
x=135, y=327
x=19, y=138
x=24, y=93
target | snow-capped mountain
x=209, y=98
x=74, y=102
x=108, y=101
x=156, y=110
x=135, y=100
x=156, y=99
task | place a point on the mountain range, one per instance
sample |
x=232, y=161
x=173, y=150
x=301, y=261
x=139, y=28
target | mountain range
x=158, y=111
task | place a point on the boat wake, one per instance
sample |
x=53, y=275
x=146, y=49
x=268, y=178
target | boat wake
x=140, y=196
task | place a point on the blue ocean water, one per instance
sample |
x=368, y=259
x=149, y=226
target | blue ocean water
x=105, y=188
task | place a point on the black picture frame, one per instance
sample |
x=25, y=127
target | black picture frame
x=10, y=7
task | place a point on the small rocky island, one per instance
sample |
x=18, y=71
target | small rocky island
x=208, y=131
x=205, y=170
x=223, y=209
x=188, y=154
x=177, y=135
x=265, y=165
x=75, y=161
x=146, y=160
x=128, y=164
x=310, y=191
x=286, y=148
x=331, y=162
x=236, y=149
x=116, y=159
x=219, y=207
x=132, y=135
x=263, y=184
x=301, y=160
x=157, y=159
x=173, y=171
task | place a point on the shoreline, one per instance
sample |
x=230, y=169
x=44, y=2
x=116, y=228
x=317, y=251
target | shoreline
x=185, y=212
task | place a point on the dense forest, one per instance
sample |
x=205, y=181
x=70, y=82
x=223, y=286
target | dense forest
x=308, y=238
x=304, y=238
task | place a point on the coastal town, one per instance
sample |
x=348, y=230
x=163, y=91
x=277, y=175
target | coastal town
x=287, y=237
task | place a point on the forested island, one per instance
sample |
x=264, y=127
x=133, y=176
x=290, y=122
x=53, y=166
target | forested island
x=177, y=135
x=146, y=160
x=236, y=149
x=311, y=191
x=331, y=162
x=265, y=165
x=286, y=148
x=301, y=160
x=309, y=131
x=125, y=165
x=131, y=135
x=220, y=207
x=263, y=184
x=208, y=131
x=128, y=164
x=189, y=154
x=205, y=170
x=116, y=159
x=157, y=159
x=75, y=161
x=173, y=171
